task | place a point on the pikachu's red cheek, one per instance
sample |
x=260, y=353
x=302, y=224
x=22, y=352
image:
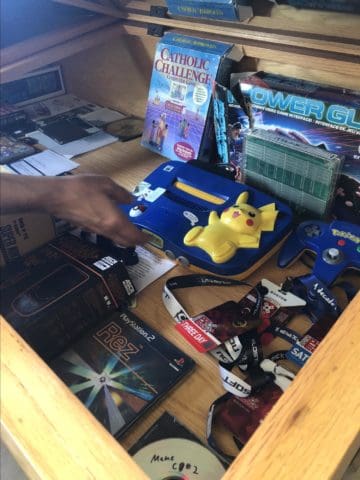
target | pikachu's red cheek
x=249, y=222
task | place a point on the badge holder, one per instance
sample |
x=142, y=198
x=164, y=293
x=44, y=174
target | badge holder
x=322, y=309
x=234, y=333
x=242, y=412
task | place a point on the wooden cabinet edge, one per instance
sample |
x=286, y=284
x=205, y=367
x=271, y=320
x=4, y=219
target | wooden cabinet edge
x=277, y=20
x=338, y=64
x=15, y=70
x=238, y=33
x=312, y=432
x=48, y=430
x=338, y=54
x=21, y=50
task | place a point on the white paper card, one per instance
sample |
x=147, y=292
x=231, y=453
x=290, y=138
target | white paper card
x=50, y=163
x=86, y=144
x=21, y=167
x=102, y=116
x=149, y=268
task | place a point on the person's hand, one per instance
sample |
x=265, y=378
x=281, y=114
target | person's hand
x=90, y=202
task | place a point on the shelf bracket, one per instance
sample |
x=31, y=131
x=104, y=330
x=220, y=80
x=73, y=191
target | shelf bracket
x=153, y=29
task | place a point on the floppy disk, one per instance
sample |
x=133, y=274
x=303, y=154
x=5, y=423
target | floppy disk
x=208, y=221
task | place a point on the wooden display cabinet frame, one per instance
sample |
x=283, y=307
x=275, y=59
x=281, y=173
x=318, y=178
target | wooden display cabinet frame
x=313, y=430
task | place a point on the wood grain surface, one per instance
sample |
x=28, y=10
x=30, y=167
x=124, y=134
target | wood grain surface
x=312, y=433
x=329, y=41
x=240, y=32
x=49, y=432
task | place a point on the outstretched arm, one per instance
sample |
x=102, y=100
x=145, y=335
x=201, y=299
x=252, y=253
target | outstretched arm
x=87, y=201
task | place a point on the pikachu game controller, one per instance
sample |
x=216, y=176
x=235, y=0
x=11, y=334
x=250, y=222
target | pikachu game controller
x=208, y=221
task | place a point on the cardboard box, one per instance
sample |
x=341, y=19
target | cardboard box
x=228, y=10
x=335, y=5
x=178, y=122
x=319, y=115
x=21, y=233
x=52, y=295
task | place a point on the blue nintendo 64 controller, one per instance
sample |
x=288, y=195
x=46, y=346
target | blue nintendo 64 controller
x=336, y=245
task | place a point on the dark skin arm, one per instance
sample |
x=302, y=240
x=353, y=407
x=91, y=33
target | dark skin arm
x=87, y=201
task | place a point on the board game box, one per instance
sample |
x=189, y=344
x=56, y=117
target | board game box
x=300, y=174
x=229, y=10
x=231, y=124
x=178, y=124
x=120, y=369
x=319, y=115
x=21, y=233
x=53, y=294
x=11, y=149
x=352, y=6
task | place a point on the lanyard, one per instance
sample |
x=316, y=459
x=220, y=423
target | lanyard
x=203, y=331
x=243, y=350
x=243, y=410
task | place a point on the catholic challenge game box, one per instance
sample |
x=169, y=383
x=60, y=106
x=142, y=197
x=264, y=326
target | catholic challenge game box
x=319, y=115
x=120, y=369
x=177, y=123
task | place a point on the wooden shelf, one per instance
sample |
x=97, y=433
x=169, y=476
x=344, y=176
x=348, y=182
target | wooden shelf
x=94, y=36
x=313, y=431
x=301, y=44
x=272, y=33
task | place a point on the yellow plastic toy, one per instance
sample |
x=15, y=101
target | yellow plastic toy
x=239, y=226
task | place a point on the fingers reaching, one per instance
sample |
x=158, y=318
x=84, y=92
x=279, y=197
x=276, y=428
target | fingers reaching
x=121, y=231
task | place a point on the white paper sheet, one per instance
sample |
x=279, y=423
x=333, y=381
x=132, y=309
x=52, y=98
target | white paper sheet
x=102, y=116
x=57, y=105
x=50, y=163
x=149, y=268
x=22, y=168
x=46, y=163
x=6, y=169
x=69, y=150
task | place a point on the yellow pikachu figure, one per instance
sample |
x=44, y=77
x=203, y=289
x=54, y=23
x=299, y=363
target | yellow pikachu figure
x=239, y=226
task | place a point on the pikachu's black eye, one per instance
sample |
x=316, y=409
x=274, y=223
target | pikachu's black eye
x=235, y=206
x=252, y=214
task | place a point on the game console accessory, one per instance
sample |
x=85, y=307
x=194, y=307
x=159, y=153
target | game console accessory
x=336, y=245
x=322, y=309
x=239, y=226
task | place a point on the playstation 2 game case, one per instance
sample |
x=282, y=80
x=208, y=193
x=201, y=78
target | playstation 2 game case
x=68, y=300
x=120, y=369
